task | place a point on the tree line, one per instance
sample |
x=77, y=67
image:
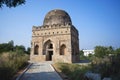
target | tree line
x=101, y=51
x=6, y=47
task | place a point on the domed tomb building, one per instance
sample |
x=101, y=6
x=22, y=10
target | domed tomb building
x=56, y=40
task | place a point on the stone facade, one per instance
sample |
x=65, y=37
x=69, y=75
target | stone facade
x=56, y=40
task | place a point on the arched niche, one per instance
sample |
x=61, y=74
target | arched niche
x=63, y=49
x=36, y=50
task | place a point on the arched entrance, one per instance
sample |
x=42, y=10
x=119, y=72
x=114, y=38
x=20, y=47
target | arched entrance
x=48, y=50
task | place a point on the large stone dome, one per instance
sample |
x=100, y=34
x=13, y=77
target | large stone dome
x=57, y=17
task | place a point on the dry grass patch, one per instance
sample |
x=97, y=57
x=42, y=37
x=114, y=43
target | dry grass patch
x=10, y=63
x=71, y=71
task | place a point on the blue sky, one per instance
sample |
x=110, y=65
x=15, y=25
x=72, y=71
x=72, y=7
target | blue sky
x=98, y=21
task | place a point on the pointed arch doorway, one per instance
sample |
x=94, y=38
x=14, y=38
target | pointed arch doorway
x=48, y=50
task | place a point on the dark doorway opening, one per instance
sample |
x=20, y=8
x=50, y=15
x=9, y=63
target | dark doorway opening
x=49, y=56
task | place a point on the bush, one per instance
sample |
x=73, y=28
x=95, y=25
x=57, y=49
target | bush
x=72, y=71
x=10, y=63
x=107, y=66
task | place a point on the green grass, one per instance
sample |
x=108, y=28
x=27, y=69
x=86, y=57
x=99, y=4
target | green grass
x=10, y=63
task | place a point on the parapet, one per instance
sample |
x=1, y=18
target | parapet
x=54, y=26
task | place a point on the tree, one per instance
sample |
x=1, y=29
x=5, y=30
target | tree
x=21, y=47
x=82, y=57
x=11, y=45
x=28, y=50
x=81, y=53
x=110, y=50
x=5, y=47
x=117, y=51
x=11, y=3
x=100, y=51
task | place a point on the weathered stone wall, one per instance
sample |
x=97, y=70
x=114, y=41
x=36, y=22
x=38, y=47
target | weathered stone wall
x=75, y=44
x=58, y=36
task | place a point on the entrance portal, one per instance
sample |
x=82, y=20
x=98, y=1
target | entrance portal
x=49, y=56
x=48, y=50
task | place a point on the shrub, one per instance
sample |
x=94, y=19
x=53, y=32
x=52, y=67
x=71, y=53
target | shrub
x=10, y=63
x=73, y=71
x=107, y=66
